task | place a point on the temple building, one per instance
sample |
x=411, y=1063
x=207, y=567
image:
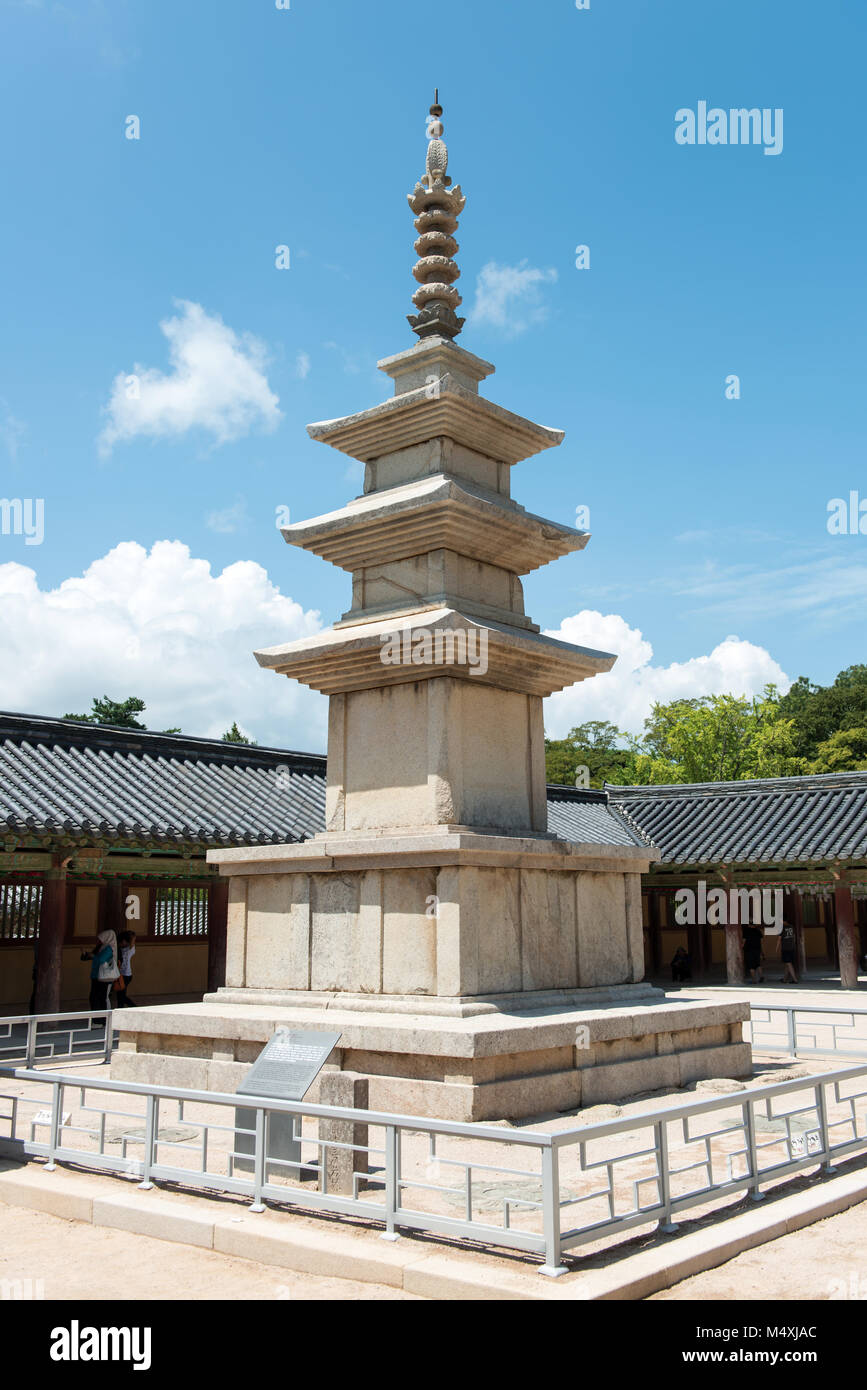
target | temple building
x=110, y=827
x=806, y=836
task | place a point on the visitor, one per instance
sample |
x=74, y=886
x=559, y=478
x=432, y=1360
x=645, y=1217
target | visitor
x=103, y=971
x=127, y=951
x=788, y=953
x=681, y=966
x=753, y=939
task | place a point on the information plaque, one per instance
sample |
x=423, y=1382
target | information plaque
x=284, y=1070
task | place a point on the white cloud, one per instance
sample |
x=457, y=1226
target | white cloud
x=509, y=297
x=625, y=694
x=302, y=365
x=161, y=626
x=217, y=383
x=228, y=520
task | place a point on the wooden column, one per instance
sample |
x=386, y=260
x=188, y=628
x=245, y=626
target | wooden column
x=111, y=905
x=52, y=930
x=797, y=911
x=653, y=924
x=734, y=938
x=847, y=936
x=218, y=912
x=734, y=954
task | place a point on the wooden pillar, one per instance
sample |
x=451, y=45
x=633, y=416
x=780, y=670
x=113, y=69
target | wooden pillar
x=847, y=936
x=52, y=930
x=797, y=919
x=734, y=954
x=653, y=922
x=734, y=937
x=111, y=906
x=218, y=913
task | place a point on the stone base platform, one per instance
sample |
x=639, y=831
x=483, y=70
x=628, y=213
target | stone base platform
x=547, y=1055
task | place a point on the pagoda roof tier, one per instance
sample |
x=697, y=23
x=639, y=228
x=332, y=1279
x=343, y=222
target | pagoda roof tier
x=414, y=417
x=435, y=513
x=337, y=661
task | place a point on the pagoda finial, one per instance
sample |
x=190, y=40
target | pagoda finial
x=437, y=207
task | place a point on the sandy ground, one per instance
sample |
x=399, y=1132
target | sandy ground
x=827, y=1261
x=77, y=1261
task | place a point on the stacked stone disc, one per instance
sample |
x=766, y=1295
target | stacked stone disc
x=437, y=207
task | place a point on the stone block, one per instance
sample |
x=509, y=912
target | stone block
x=347, y=1091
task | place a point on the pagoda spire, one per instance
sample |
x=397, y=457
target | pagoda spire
x=437, y=207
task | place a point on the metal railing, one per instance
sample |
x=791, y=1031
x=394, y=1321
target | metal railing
x=808, y=1030
x=554, y=1193
x=34, y=1038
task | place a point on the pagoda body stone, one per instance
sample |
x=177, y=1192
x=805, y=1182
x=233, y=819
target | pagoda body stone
x=477, y=965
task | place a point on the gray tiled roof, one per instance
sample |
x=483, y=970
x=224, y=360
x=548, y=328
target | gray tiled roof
x=779, y=820
x=59, y=777
x=586, y=818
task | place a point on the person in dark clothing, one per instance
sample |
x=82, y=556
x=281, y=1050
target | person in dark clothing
x=681, y=966
x=753, y=938
x=789, y=952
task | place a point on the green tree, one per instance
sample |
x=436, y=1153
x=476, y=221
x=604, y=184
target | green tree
x=820, y=711
x=234, y=735
x=118, y=714
x=717, y=738
x=594, y=745
x=844, y=751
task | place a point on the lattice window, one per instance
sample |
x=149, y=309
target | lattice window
x=180, y=912
x=19, y=911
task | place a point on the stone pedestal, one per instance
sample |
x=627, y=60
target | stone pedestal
x=525, y=1057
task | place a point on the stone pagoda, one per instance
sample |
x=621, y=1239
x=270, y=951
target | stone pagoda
x=476, y=965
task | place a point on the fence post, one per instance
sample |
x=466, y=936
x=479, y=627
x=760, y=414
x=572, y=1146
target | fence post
x=56, y=1117
x=109, y=1039
x=30, y=1047
x=392, y=1178
x=150, y=1133
x=750, y=1128
x=667, y=1226
x=822, y=1108
x=553, y=1266
x=792, y=1031
x=259, y=1161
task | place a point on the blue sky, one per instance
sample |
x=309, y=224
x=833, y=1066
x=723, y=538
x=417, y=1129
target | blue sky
x=305, y=127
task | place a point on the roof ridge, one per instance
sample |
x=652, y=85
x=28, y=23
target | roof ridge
x=818, y=781
x=41, y=726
